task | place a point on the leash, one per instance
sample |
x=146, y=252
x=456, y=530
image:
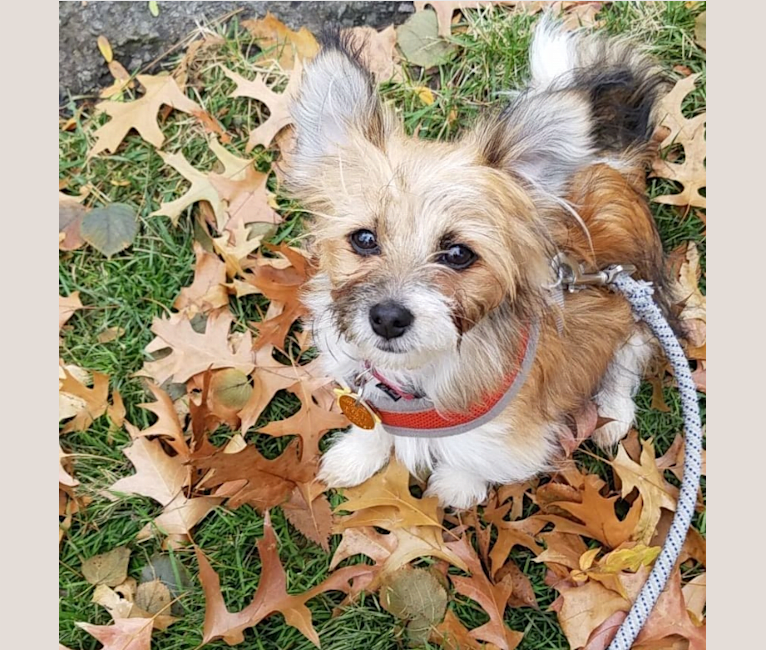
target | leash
x=639, y=293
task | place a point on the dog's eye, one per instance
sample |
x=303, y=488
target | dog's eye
x=364, y=242
x=457, y=256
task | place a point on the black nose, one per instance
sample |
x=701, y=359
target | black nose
x=390, y=319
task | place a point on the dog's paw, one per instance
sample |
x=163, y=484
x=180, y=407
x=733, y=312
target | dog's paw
x=457, y=488
x=353, y=458
x=621, y=413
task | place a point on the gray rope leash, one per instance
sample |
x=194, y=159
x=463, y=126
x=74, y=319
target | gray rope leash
x=639, y=295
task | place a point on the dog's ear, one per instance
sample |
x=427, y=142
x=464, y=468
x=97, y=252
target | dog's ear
x=542, y=138
x=337, y=104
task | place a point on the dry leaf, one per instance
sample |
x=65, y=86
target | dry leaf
x=123, y=634
x=384, y=500
x=110, y=569
x=71, y=213
x=277, y=103
x=594, y=515
x=88, y=403
x=261, y=483
x=270, y=597
x=68, y=306
x=377, y=51
x=309, y=511
x=493, y=598
x=311, y=423
x=582, y=609
x=691, y=134
x=444, y=11
x=202, y=189
x=207, y=292
x=105, y=48
x=282, y=43
x=418, y=597
x=110, y=334
x=140, y=114
x=700, y=30
x=193, y=352
x=655, y=491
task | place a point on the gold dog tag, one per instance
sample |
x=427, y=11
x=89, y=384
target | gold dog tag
x=356, y=410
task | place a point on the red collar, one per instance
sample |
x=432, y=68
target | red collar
x=421, y=419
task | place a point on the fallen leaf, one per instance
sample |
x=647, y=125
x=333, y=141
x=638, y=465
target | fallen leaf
x=92, y=402
x=110, y=334
x=247, y=200
x=417, y=597
x=694, y=593
x=158, y=476
x=493, y=598
x=311, y=423
x=68, y=306
x=419, y=41
x=231, y=388
x=445, y=10
x=694, y=313
x=193, y=352
x=594, y=516
x=377, y=51
x=581, y=609
x=70, y=219
x=281, y=43
x=700, y=30
x=691, y=134
x=270, y=597
x=123, y=634
x=522, y=592
x=202, y=189
x=384, y=500
x=263, y=483
x=110, y=569
x=277, y=103
x=453, y=635
x=111, y=228
x=655, y=491
x=105, y=48
x=310, y=513
x=168, y=424
x=671, y=617
x=140, y=114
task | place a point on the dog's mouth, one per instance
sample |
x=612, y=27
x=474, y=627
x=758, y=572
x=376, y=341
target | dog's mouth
x=392, y=348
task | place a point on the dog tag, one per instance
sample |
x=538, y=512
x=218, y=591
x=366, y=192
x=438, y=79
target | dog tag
x=356, y=410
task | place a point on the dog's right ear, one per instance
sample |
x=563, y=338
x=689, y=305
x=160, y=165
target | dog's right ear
x=336, y=106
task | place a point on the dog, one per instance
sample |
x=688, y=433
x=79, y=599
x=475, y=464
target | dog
x=435, y=300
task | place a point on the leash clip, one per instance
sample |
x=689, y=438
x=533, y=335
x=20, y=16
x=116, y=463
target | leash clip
x=571, y=276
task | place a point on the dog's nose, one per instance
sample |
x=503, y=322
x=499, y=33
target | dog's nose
x=390, y=319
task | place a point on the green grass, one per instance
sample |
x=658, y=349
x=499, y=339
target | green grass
x=133, y=287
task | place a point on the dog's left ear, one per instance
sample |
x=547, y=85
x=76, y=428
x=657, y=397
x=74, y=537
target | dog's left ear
x=337, y=104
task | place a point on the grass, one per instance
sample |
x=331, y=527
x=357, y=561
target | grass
x=133, y=287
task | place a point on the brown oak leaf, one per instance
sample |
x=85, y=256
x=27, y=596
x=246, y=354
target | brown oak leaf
x=123, y=634
x=207, y=293
x=384, y=500
x=140, y=114
x=493, y=598
x=689, y=132
x=270, y=597
x=193, y=352
x=281, y=43
x=277, y=103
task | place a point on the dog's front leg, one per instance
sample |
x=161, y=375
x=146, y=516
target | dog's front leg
x=355, y=456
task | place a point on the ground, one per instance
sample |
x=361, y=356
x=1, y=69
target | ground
x=131, y=288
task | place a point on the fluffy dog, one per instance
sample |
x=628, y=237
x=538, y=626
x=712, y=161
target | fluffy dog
x=435, y=280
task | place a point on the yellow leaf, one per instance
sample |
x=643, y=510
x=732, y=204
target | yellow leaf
x=105, y=48
x=425, y=95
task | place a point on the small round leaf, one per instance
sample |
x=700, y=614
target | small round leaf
x=110, y=229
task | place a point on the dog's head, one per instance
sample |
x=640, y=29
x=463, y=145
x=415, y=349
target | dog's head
x=418, y=242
